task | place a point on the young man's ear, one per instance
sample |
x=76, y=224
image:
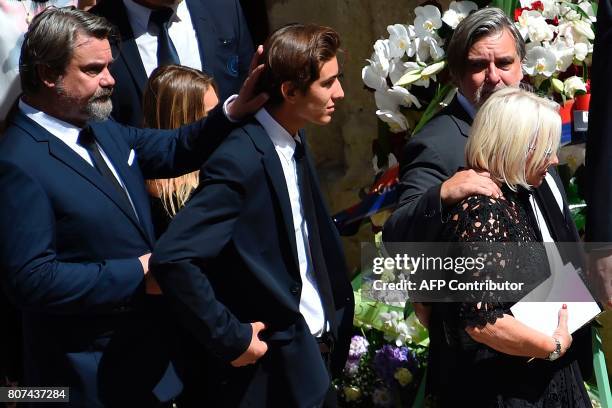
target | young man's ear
x=47, y=75
x=289, y=91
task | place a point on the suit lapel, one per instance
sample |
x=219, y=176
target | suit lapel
x=206, y=40
x=462, y=119
x=128, y=53
x=132, y=184
x=559, y=226
x=276, y=176
x=60, y=151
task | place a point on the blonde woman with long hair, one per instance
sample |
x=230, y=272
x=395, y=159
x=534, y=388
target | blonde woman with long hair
x=479, y=352
x=174, y=96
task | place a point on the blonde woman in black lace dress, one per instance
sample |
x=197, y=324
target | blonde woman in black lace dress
x=479, y=353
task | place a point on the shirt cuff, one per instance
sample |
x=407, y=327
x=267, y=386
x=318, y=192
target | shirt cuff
x=226, y=104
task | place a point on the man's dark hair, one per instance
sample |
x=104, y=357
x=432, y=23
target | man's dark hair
x=50, y=41
x=295, y=53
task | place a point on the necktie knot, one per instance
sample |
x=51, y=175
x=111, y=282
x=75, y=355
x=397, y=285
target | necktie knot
x=166, y=52
x=86, y=137
x=161, y=17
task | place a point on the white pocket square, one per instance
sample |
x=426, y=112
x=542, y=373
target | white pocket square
x=131, y=158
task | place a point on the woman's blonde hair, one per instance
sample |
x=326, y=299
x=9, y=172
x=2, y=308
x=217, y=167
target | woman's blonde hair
x=174, y=96
x=510, y=125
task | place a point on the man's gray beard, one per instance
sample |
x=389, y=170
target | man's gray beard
x=99, y=109
x=99, y=106
x=482, y=95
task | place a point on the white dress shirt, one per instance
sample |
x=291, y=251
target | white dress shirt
x=69, y=134
x=181, y=32
x=311, y=306
x=546, y=236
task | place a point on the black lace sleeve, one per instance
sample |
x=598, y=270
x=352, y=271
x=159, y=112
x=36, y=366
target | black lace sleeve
x=509, y=251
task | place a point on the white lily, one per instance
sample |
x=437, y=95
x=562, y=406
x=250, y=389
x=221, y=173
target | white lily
x=400, y=43
x=572, y=85
x=457, y=11
x=396, y=121
x=540, y=61
x=428, y=19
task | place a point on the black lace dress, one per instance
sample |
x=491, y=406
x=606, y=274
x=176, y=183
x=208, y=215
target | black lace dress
x=464, y=373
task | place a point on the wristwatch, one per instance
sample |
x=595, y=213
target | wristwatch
x=556, y=353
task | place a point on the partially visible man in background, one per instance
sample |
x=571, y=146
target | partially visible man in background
x=209, y=35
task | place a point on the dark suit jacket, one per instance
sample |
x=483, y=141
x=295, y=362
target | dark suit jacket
x=68, y=258
x=435, y=154
x=599, y=142
x=431, y=157
x=225, y=46
x=229, y=258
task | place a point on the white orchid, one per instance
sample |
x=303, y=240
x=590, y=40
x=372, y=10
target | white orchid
x=551, y=9
x=540, y=61
x=429, y=48
x=587, y=7
x=573, y=156
x=373, y=78
x=391, y=99
x=397, y=70
x=400, y=40
x=583, y=28
x=563, y=52
x=539, y=30
x=382, y=55
x=428, y=19
x=581, y=50
x=572, y=85
x=457, y=11
x=533, y=26
x=396, y=121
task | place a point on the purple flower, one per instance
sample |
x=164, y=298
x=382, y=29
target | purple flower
x=359, y=346
x=389, y=358
x=351, y=368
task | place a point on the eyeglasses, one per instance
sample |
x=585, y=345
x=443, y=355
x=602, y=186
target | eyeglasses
x=547, y=153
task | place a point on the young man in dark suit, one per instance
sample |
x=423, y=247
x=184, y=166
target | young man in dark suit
x=254, y=264
x=209, y=35
x=75, y=222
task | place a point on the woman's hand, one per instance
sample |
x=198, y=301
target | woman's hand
x=562, y=333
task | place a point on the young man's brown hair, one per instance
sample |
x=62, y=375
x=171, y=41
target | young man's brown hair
x=295, y=53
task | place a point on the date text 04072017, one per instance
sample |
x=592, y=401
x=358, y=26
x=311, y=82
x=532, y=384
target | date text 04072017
x=34, y=394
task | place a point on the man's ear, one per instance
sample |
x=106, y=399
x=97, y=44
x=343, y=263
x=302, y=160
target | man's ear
x=47, y=75
x=289, y=91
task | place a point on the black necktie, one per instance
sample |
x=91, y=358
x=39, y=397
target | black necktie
x=314, y=239
x=166, y=53
x=87, y=140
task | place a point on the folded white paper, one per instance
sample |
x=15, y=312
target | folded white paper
x=564, y=283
